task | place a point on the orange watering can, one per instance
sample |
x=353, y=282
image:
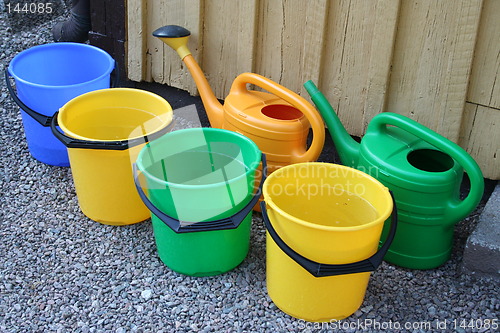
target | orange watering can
x=278, y=121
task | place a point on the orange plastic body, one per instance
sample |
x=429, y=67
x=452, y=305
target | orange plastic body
x=278, y=121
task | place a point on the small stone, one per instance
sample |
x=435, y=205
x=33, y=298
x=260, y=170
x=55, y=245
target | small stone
x=367, y=308
x=358, y=313
x=146, y=294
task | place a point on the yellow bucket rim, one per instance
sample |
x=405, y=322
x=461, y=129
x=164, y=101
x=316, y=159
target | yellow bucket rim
x=62, y=110
x=382, y=217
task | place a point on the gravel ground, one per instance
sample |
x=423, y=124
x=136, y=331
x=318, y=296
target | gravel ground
x=60, y=271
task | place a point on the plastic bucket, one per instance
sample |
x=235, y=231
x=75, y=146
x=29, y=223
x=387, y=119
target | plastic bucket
x=104, y=131
x=48, y=76
x=200, y=185
x=324, y=223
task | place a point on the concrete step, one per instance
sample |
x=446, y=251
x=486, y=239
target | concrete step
x=482, y=251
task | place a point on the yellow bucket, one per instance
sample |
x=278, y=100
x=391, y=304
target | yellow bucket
x=324, y=223
x=104, y=131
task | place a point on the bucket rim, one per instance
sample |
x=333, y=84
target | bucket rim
x=251, y=168
x=276, y=209
x=90, y=94
x=37, y=48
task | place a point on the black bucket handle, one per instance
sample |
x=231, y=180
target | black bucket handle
x=41, y=118
x=324, y=270
x=231, y=222
x=70, y=142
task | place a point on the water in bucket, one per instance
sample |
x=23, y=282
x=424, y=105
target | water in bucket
x=324, y=224
x=104, y=131
x=199, y=168
x=48, y=76
x=197, y=177
x=344, y=209
x=110, y=123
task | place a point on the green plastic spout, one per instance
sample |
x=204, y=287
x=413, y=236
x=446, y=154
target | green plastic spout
x=347, y=147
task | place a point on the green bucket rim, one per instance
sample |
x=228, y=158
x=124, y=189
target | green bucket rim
x=242, y=138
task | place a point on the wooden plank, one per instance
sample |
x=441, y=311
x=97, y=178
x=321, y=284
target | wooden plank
x=432, y=60
x=228, y=39
x=480, y=136
x=379, y=68
x=290, y=41
x=136, y=42
x=357, y=58
x=115, y=19
x=312, y=45
x=119, y=49
x=157, y=17
x=269, y=40
x=162, y=63
x=484, y=85
x=98, y=16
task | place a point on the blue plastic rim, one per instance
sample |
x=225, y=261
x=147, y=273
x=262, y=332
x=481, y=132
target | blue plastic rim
x=47, y=77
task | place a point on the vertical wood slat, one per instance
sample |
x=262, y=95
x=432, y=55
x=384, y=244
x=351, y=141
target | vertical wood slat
x=314, y=41
x=191, y=16
x=115, y=11
x=432, y=61
x=136, y=42
x=481, y=137
x=357, y=58
x=98, y=16
x=410, y=57
x=484, y=85
x=156, y=11
x=228, y=42
x=379, y=68
x=159, y=63
x=290, y=40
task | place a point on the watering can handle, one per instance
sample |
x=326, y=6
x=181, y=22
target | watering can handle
x=70, y=142
x=324, y=270
x=177, y=226
x=41, y=118
x=317, y=125
x=458, y=208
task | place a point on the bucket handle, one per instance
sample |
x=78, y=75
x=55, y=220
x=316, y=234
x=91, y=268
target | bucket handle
x=104, y=145
x=231, y=222
x=41, y=118
x=324, y=270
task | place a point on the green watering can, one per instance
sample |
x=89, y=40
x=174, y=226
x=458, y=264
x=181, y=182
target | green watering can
x=423, y=169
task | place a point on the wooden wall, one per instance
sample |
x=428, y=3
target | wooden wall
x=437, y=62
x=108, y=29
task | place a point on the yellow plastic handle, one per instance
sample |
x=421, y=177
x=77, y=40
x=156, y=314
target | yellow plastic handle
x=317, y=125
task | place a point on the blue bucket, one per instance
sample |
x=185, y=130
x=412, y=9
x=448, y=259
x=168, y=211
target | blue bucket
x=48, y=76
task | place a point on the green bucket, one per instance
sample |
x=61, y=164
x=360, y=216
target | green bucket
x=200, y=191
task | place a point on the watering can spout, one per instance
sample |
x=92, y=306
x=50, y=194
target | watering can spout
x=347, y=147
x=177, y=37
